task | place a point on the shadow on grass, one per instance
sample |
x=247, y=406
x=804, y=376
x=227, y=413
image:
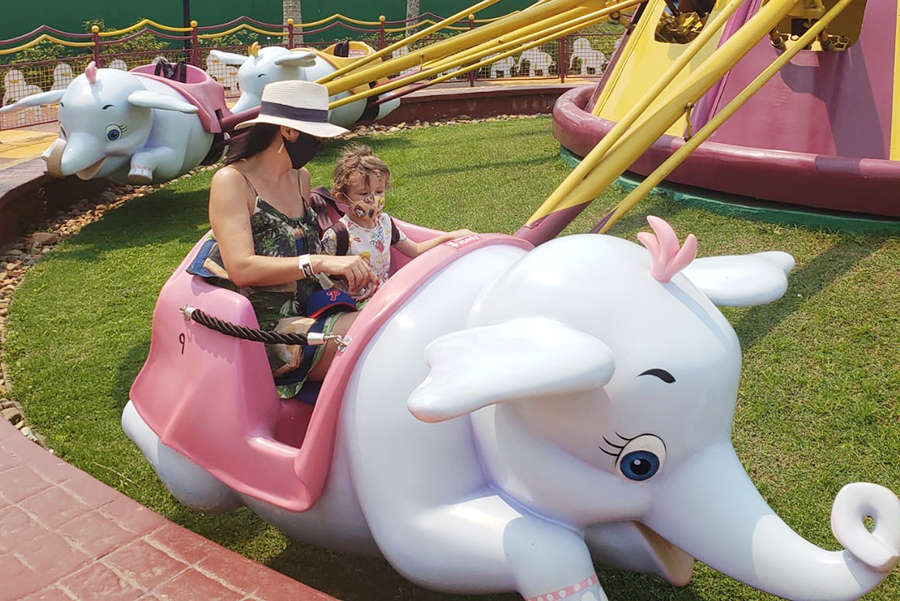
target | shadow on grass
x=502, y=165
x=804, y=283
x=352, y=578
x=176, y=216
x=127, y=371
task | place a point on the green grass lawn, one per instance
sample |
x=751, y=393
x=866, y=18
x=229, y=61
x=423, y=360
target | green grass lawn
x=818, y=403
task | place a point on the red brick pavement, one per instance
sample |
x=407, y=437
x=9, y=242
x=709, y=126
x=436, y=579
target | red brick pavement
x=68, y=537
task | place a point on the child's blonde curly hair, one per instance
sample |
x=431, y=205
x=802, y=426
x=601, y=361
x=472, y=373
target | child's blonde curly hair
x=358, y=159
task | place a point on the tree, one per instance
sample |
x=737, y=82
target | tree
x=412, y=9
x=291, y=10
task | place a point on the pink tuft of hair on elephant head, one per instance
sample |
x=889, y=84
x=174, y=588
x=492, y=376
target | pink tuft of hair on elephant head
x=667, y=258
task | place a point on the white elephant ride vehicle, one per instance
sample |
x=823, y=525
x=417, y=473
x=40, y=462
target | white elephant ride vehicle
x=264, y=65
x=502, y=417
x=135, y=126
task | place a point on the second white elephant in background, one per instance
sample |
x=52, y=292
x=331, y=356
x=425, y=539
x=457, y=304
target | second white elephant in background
x=275, y=63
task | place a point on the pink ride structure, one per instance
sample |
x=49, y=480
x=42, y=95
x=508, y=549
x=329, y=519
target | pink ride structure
x=823, y=133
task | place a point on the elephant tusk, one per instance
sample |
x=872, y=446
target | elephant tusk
x=879, y=547
x=53, y=157
x=91, y=171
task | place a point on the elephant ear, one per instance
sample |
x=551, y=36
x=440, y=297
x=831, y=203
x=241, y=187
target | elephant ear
x=516, y=360
x=741, y=281
x=297, y=59
x=162, y=102
x=50, y=97
x=229, y=58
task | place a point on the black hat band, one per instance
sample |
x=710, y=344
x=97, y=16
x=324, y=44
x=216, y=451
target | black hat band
x=284, y=111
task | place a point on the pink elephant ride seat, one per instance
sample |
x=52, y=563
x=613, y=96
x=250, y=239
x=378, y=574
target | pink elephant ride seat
x=212, y=397
x=199, y=89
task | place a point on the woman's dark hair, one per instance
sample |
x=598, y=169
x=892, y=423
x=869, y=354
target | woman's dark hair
x=254, y=141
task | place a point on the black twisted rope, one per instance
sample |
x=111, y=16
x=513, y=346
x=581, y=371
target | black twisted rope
x=245, y=333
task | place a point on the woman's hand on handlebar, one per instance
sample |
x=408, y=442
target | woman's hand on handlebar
x=352, y=268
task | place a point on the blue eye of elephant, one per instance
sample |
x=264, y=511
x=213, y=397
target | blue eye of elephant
x=113, y=133
x=641, y=457
x=639, y=465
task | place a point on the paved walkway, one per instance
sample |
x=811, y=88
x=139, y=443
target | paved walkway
x=65, y=536
x=20, y=145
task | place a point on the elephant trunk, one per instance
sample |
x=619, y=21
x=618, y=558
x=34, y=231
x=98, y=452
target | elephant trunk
x=83, y=155
x=732, y=529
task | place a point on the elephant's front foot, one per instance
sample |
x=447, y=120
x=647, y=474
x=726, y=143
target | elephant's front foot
x=142, y=174
x=879, y=547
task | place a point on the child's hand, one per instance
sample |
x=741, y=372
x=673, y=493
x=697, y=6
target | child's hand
x=460, y=233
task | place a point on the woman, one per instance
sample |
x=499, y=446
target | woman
x=267, y=234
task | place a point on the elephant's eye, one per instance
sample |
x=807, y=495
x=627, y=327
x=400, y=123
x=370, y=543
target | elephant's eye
x=113, y=133
x=641, y=458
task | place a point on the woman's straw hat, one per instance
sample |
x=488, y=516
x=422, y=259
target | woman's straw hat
x=300, y=105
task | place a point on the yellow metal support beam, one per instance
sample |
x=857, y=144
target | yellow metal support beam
x=895, y=109
x=669, y=165
x=533, y=29
x=504, y=48
x=599, y=151
x=642, y=136
x=409, y=40
x=459, y=42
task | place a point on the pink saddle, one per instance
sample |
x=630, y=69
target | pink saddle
x=199, y=89
x=212, y=397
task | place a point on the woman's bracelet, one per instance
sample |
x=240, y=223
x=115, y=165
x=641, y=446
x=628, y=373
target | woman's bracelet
x=305, y=264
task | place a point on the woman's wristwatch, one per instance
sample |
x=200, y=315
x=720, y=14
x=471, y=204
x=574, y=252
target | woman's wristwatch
x=306, y=266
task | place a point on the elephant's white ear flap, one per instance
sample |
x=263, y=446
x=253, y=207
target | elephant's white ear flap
x=743, y=280
x=229, y=58
x=162, y=102
x=518, y=359
x=297, y=59
x=50, y=97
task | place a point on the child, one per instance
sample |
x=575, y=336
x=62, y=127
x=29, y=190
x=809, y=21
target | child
x=360, y=181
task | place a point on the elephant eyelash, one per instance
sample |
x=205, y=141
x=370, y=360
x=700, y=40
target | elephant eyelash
x=122, y=127
x=615, y=446
x=627, y=440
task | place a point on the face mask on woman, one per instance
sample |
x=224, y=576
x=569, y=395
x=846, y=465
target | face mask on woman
x=303, y=150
